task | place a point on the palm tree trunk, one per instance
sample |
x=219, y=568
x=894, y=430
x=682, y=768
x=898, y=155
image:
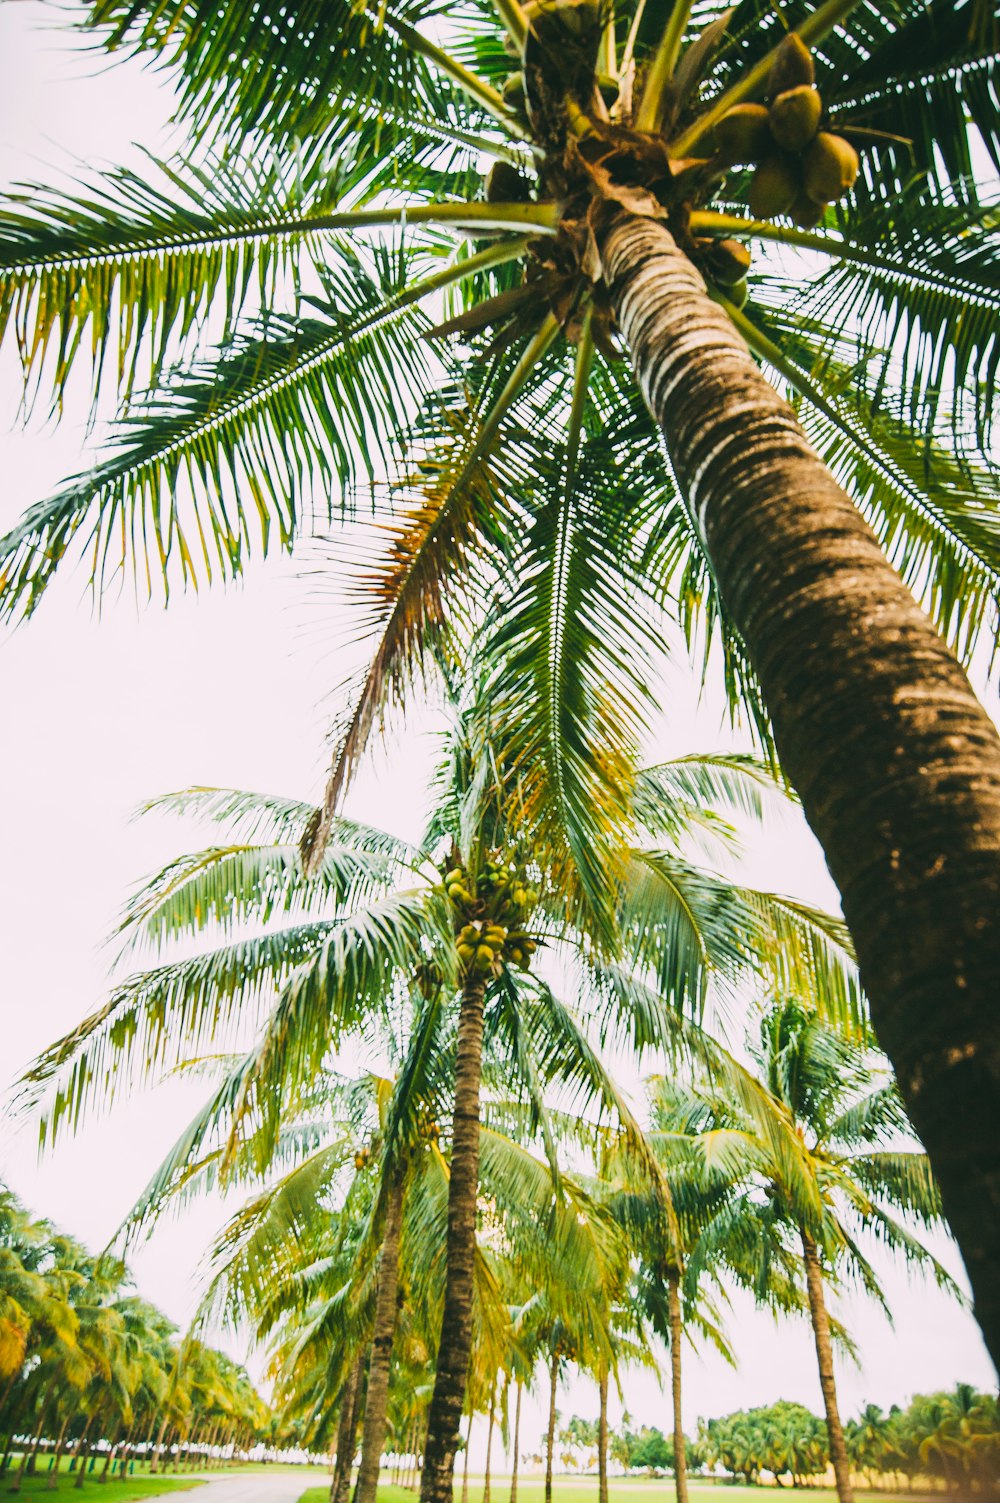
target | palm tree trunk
x=53, y=1476
x=489, y=1443
x=81, y=1463
x=79, y=1455
x=376, y=1404
x=343, y=1422
x=676, y=1332
x=29, y=1451
x=896, y=764
x=517, y=1442
x=602, y=1438
x=456, y=1326
x=154, y=1458
x=112, y=1448
x=824, y=1356
x=347, y=1430
x=465, y=1467
x=550, y=1438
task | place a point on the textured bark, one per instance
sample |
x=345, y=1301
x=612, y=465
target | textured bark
x=896, y=763
x=602, y=1439
x=550, y=1436
x=456, y=1326
x=347, y=1429
x=517, y=1442
x=824, y=1357
x=676, y=1332
x=377, y=1401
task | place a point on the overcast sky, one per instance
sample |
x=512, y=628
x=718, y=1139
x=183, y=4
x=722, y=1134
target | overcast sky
x=231, y=688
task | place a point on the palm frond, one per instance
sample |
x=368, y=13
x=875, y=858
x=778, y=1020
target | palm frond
x=428, y=548
x=566, y=654
x=225, y=886
x=202, y=468
x=904, y=1179
x=136, y=262
x=156, y=1017
x=291, y=73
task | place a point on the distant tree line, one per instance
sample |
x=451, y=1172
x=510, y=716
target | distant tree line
x=942, y=1437
x=89, y=1369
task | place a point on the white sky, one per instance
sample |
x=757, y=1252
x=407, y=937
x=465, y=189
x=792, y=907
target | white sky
x=229, y=689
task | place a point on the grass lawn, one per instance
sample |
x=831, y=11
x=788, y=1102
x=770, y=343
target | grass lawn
x=620, y=1489
x=139, y=1486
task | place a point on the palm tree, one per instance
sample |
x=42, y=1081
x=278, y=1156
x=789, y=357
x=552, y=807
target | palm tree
x=460, y=920
x=817, y=1164
x=613, y=191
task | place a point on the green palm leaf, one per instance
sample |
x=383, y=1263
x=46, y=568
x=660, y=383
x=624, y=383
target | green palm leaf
x=291, y=74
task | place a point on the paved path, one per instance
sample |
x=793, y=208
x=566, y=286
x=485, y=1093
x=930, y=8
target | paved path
x=255, y=1487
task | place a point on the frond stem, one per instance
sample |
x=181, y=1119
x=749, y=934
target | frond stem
x=650, y=112
x=539, y=218
x=535, y=351
x=476, y=88
x=705, y=222
x=584, y=358
x=515, y=21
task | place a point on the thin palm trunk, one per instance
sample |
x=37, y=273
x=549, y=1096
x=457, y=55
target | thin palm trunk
x=550, y=1437
x=456, y=1326
x=112, y=1448
x=377, y=1401
x=154, y=1458
x=824, y=1357
x=517, y=1442
x=896, y=763
x=347, y=1432
x=602, y=1438
x=81, y=1464
x=29, y=1450
x=53, y=1476
x=676, y=1332
x=489, y=1444
x=343, y=1426
x=465, y=1467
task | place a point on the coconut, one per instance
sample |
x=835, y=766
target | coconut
x=742, y=134
x=774, y=188
x=794, y=117
x=830, y=167
x=792, y=66
x=729, y=261
x=806, y=212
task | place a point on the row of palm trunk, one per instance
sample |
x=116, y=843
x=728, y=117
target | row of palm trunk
x=367, y=1385
x=124, y=1447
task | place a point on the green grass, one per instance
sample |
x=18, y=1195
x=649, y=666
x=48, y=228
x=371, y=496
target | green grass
x=620, y=1490
x=112, y=1491
x=139, y=1484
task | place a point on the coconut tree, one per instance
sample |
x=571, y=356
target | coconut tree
x=619, y=192
x=827, y=1168
x=460, y=919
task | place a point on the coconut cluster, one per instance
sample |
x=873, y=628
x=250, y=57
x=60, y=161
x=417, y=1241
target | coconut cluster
x=490, y=913
x=798, y=168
